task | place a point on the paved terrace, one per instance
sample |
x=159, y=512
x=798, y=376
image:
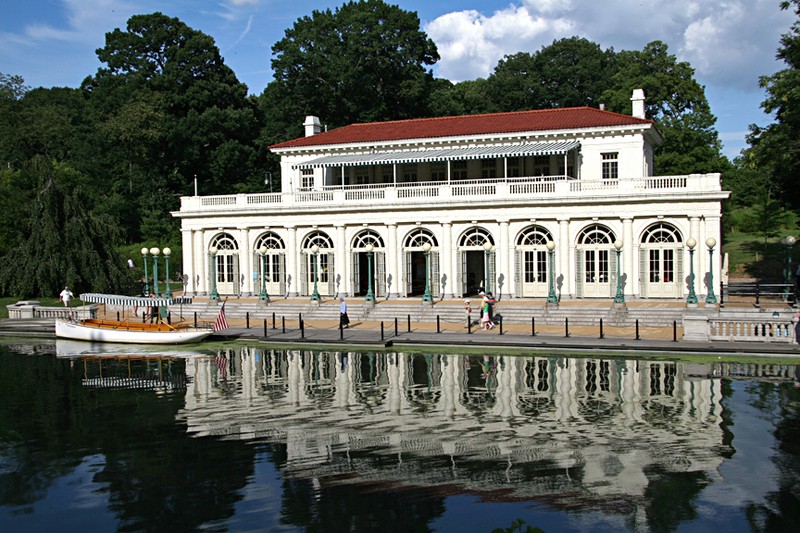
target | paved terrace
x=573, y=325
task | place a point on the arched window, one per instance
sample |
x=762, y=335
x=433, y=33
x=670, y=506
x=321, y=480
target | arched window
x=418, y=237
x=475, y=237
x=367, y=237
x=661, y=262
x=531, y=265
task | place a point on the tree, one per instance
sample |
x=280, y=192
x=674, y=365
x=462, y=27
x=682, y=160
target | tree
x=60, y=241
x=676, y=102
x=364, y=62
x=775, y=148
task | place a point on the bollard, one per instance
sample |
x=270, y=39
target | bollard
x=469, y=326
x=169, y=318
x=758, y=294
x=601, y=328
x=533, y=326
x=195, y=318
x=566, y=327
x=117, y=316
x=341, y=330
x=501, y=328
x=273, y=320
x=247, y=320
x=395, y=326
x=144, y=318
x=302, y=328
x=409, y=323
x=265, y=328
x=283, y=324
x=637, y=330
x=674, y=331
x=437, y=325
x=381, y=330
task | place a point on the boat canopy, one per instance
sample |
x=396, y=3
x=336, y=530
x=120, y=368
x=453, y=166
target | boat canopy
x=139, y=301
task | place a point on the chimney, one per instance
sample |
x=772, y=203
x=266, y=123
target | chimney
x=637, y=103
x=312, y=125
x=602, y=106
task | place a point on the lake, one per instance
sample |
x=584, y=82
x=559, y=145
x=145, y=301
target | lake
x=246, y=438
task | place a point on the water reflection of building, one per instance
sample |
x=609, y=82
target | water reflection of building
x=530, y=426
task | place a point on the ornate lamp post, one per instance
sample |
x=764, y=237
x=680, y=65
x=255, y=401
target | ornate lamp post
x=551, y=252
x=487, y=248
x=369, y=296
x=212, y=252
x=315, y=294
x=620, y=297
x=787, y=243
x=426, y=249
x=711, y=242
x=145, y=251
x=264, y=297
x=167, y=289
x=154, y=252
x=692, y=298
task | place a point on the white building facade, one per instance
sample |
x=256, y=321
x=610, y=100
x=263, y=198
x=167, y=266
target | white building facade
x=523, y=204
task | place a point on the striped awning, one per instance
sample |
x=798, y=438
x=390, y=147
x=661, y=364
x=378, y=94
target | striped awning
x=116, y=299
x=443, y=154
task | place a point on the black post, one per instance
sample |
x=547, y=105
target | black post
x=283, y=324
x=637, y=329
x=195, y=318
x=721, y=294
x=566, y=327
x=169, y=318
x=341, y=330
x=273, y=320
x=437, y=325
x=381, y=329
x=501, y=327
x=601, y=328
x=469, y=325
x=144, y=318
x=117, y=316
x=395, y=326
x=533, y=326
x=302, y=328
x=265, y=328
x=674, y=331
x=758, y=294
x=409, y=323
x=247, y=319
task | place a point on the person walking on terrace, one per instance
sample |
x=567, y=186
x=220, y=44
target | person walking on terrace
x=65, y=296
x=344, y=320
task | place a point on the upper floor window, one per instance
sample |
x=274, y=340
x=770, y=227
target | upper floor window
x=361, y=175
x=488, y=168
x=307, y=178
x=610, y=165
x=513, y=167
x=387, y=173
x=439, y=171
x=541, y=165
x=458, y=170
x=410, y=172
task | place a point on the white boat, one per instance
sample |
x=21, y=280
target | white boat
x=130, y=331
x=98, y=330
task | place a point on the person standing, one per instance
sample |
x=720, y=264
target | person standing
x=344, y=320
x=486, y=322
x=65, y=296
x=468, y=311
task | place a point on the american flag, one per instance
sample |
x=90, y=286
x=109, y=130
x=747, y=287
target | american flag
x=221, y=322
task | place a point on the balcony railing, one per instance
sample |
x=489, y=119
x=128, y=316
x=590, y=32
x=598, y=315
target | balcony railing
x=542, y=187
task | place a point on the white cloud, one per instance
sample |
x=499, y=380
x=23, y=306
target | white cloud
x=730, y=42
x=86, y=21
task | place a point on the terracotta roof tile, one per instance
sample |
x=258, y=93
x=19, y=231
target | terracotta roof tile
x=425, y=128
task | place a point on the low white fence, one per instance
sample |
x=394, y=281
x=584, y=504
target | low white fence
x=766, y=330
x=32, y=309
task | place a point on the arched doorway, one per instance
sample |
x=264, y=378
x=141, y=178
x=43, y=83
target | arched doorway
x=362, y=264
x=477, y=270
x=595, y=271
x=318, y=266
x=661, y=262
x=532, y=267
x=273, y=264
x=224, y=254
x=414, y=272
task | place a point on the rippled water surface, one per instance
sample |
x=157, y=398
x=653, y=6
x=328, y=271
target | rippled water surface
x=247, y=439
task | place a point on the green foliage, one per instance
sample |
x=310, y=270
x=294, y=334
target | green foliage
x=520, y=526
x=61, y=241
x=365, y=61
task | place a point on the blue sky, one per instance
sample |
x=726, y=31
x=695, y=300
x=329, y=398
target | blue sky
x=730, y=43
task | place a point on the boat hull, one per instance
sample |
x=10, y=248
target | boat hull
x=128, y=334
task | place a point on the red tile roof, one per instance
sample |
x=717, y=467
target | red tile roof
x=492, y=123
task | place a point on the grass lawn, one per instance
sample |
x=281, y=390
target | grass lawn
x=749, y=257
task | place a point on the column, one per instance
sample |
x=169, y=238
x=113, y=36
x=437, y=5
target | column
x=565, y=252
x=392, y=275
x=505, y=262
x=342, y=266
x=246, y=263
x=292, y=273
x=188, y=259
x=694, y=232
x=629, y=251
x=205, y=271
x=446, y=260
